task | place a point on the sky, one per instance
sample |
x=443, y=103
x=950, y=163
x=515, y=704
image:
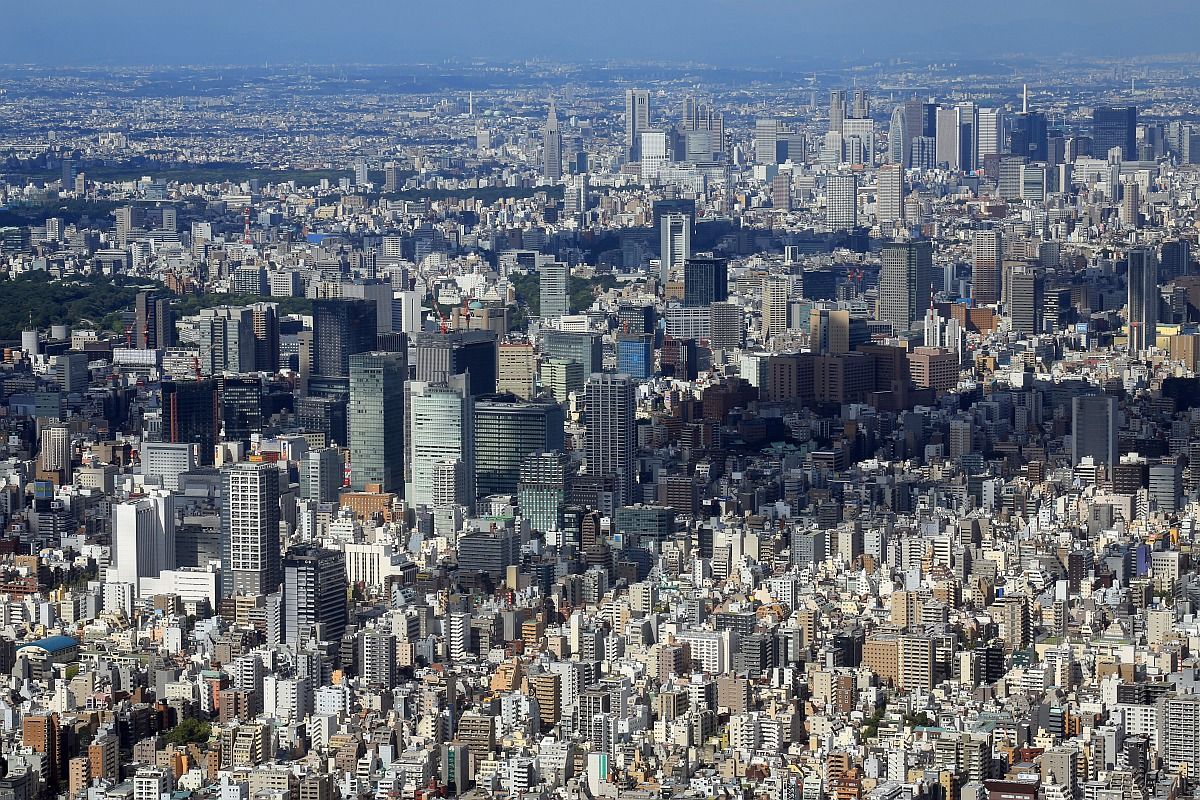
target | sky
x=723, y=32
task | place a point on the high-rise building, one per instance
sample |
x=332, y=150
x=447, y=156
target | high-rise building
x=988, y=253
x=54, y=454
x=143, y=537
x=441, y=430
x=552, y=147
x=1179, y=733
x=1112, y=128
x=191, y=414
x=1142, y=308
x=517, y=368
x=1174, y=259
x=889, y=202
x=584, y=347
x=635, y=355
x=655, y=153
x=542, y=490
x=507, y=429
x=776, y=291
x=250, y=528
x=154, y=321
x=341, y=328
x=227, y=342
x=375, y=419
x=554, y=289
x=905, y=284
x=899, y=142
x=992, y=131
x=443, y=355
x=1025, y=300
x=611, y=442
x=1131, y=205
x=841, y=197
x=676, y=244
x=637, y=119
x=1029, y=136
x=314, y=595
x=766, y=141
x=727, y=326
x=321, y=473
x=705, y=281
x=1094, y=424
x=264, y=319
x=860, y=107
x=241, y=399
x=837, y=109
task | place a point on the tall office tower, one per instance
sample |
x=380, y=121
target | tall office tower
x=362, y=174
x=1114, y=127
x=1174, y=259
x=776, y=291
x=143, y=537
x=375, y=419
x=154, y=321
x=314, y=595
x=575, y=195
x=766, y=141
x=542, y=490
x=1024, y=290
x=241, y=398
x=1142, y=280
x=860, y=107
x=924, y=152
x=889, y=201
x=705, y=281
x=727, y=325
x=441, y=430
x=250, y=528
x=552, y=147
x=443, y=355
x=340, y=329
x=675, y=244
x=948, y=137
x=1029, y=136
x=991, y=139
x=1094, y=424
x=585, y=348
x=829, y=331
x=1034, y=183
x=554, y=289
x=637, y=119
x=968, y=129
x=919, y=120
x=841, y=198
x=654, y=153
x=191, y=414
x=988, y=253
x=899, y=142
x=905, y=283
x=611, y=442
x=55, y=452
x=393, y=177
x=1131, y=196
x=858, y=136
x=517, y=368
x=321, y=473
x=1179, y=733
x=781, y=190
x=506, y=430
x=1009, y=184
x=264, y=319
x=837, y=109
x=227, y=342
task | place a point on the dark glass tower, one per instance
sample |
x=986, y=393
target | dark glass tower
x=1114, y=127
x=191, y=414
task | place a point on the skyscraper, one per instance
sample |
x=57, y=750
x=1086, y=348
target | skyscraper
x=988, y=247
x=375, y=419
x=1114, y=127
x=250, y=528
x=154, y=321
x=554, y=289
x=837, y=109
x=314, y=595
x=1142, y=309
x=441, y=430
x=321, y=475
x=1179, y=733
x=552, y=147
x=1025, y=300
x=611, y=443
x=143, y=537
x=676, y=244
x=776, y=291
x=443, y=355
x=340, y=329
x=766, y=141
x=506, y=430
x=905, y=283
x=637, y=119
x=841, y=197
x=191, y=414
x=541, y=490
x=889, y=202
x=705, y=281
x=1094, y=424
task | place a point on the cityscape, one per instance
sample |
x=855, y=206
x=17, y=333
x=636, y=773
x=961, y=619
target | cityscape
x=561, y=419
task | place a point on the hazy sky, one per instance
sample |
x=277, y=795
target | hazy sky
x=716, y=31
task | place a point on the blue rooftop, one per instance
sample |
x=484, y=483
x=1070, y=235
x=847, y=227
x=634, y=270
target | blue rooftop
x=53, y=644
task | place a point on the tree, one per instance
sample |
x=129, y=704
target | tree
x=189, y=731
